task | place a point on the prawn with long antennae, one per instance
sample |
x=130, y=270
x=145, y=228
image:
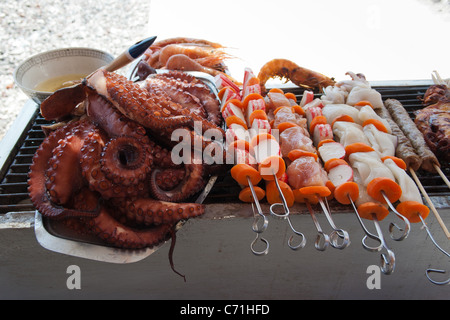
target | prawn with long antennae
x=302, y=77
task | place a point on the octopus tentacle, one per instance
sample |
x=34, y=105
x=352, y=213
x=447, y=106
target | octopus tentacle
x=124, y=160
x=113, y=232
x=188, y=83
x=38, y=179
x=91, y=155
x=192, y=183
x=149, y=211
x=135, y=102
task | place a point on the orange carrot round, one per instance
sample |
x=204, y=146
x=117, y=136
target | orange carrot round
x=236, y=102
x=291, y=96
x=330, y=164
x=273, y=194
x=377, y=123
x=235, y=119
x=273, y=165
x=299, y=110
x=241, y=144
x=399, y=162
x=246, y=194
x=261, y=137
x=278, y=109
x=391, y=189
x=252, y=81
x=346, y=190
x=285, y=125
x=303, y=198
x=412, y=209
x=357, y=147
x=344, y=117
x=297, y=153
x=363, y=103
x=251, y=96
x=276, y=90
x=320, y=191
x=257, y=114
x=366, y=210
x=241, y=171
x=315, y=121
x=322, y=142
x=332, y=188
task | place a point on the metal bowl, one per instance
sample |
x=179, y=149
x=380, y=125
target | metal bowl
x=57, y=63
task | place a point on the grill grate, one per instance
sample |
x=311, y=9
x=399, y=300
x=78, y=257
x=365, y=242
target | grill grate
x=13, y=186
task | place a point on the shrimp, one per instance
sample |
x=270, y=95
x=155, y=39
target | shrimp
x=152, y=54
x=206, y=54
x=289, y=70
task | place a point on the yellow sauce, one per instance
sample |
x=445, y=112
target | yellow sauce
x=53, y=84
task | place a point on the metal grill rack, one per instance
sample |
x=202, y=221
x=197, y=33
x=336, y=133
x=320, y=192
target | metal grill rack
x=14, y=174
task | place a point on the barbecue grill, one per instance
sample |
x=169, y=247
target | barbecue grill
x=213, y=250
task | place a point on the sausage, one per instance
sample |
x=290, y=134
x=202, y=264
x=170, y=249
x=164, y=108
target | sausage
x=409, y=128
x=404, y=149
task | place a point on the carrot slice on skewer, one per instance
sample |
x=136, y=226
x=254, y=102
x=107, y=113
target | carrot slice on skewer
x=273, y=194
x=273, y=165
x=363, y=103
x=297, y=153
x=344, y=117
x=303, y=198
x=285, y=125
x=315, y=121
x=332, y=187
x=322, y=142
x=357, y=147
x=366, y=210
x=261, y=137
x=412, y=209
x=299, y=110
x=291, y=96
x=242, y=145
x=235, y=119
x=391, y=189
x=251, y=96
x=320, y=191
x=235, y=102
x=399, y=162
x=246, y=194
x=346, y=190
x=330, y=164
x=241, y=171
x=276, y=90
x=257, y=114
x=377, y=123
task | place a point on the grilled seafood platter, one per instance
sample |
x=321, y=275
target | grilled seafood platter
x=105, y=168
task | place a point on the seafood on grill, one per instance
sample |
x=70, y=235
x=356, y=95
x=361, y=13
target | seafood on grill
x=289, y=70
x=186, y=54
x=109, y=169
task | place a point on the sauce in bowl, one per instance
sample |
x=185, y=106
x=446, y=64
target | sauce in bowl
x=56, y=83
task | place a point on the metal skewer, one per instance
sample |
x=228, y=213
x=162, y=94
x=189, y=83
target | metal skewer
x=387, y=262
x=257, y=215
x=407, y=227
x=430, y=270
x=336, y=233
x=322, y=239
x=368, y=234
x=286, y=216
